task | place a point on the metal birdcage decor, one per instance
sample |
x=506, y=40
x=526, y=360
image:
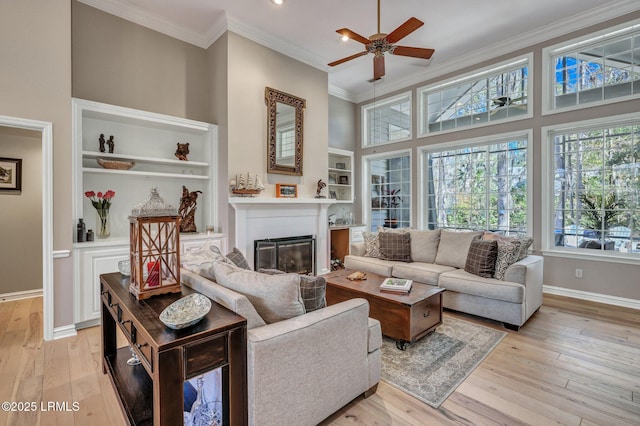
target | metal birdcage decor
x=154, y=238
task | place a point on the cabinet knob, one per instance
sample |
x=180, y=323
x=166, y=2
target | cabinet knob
x=138, y=345
x=426, y=314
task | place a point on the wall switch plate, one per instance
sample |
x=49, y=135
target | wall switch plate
x=578, y=273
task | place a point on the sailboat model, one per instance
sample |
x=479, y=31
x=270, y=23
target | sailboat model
x=246, y=185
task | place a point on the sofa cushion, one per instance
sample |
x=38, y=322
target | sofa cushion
x=481, y=259
x=525, y=244
x=275, y=297
x=426, y=273
x=395, y=246
x=230, y=299
x=454, y=247
x=238, y=259
x=424, y=245
x=507, y=255
x=371, y=244
x=462, y=281
x=312, y=289
x=369, y=264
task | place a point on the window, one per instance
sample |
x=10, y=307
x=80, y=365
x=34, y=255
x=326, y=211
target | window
x=389, y=190
x=594, y=69
x=387, y=121
x=478, y=185
x=286, y=142
x=500, y=93
x=595, y=173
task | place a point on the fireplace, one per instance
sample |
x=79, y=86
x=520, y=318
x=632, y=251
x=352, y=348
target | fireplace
x=291, y=254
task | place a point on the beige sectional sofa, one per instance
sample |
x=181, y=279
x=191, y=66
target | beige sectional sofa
x=302, y=369
x=441, y=262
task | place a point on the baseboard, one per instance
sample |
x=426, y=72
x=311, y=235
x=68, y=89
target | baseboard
x=592, y=297
x=64, y=331
x=17, y=295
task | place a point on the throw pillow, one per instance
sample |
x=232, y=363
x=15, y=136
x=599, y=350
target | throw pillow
x=238, y=258
x=454, y=247
x=312, y=289
x=371, y=244
x=525, y=242
x=424, y=245
x=481, y=259
x=507, y=255
x=393, y=230
x=275, y=298
x=395, y=246
x=200, y=260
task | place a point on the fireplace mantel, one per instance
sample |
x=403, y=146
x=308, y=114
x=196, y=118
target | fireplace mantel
x=263, y=218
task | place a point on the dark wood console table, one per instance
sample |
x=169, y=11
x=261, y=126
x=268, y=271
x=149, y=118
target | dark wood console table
x=151, y=393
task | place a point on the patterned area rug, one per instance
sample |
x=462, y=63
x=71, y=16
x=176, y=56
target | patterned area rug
x=434, y=366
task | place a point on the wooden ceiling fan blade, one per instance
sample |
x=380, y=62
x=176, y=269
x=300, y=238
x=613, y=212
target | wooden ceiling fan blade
x=378, y=67
x=404, y=30
x=414, y=52
x=353, y=35
x=348, y=58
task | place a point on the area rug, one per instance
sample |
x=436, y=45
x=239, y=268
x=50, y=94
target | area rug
x=434, y=366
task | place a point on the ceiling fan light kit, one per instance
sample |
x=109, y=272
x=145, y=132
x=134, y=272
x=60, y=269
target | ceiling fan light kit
x=380, y=43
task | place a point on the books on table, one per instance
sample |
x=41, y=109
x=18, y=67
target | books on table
x=396, y=285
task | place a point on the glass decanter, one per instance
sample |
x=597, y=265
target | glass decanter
x=202, y=413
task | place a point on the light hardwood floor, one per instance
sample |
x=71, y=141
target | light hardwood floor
x=573, y=363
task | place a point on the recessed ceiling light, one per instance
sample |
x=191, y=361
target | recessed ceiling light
x=278, y=2
x=344, y=38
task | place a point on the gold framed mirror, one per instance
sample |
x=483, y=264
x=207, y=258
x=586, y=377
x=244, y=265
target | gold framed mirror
x=285, y=128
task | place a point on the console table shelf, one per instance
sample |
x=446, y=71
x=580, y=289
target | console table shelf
x=151, y=393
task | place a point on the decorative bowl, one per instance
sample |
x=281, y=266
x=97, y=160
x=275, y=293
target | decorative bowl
x=116, y=164
x=186, y=311
x=124, y=267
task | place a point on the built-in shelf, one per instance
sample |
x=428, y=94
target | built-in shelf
x=142, y=159
x=341, y=192
x=144, y=173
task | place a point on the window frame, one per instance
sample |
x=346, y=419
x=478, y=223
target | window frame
x=364, y=111
x=592, y=39
x=366, y=182
x=477, y=74
x=422, y=201
x=548, y=246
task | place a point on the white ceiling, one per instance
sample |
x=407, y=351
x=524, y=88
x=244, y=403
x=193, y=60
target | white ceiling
x=462, y=32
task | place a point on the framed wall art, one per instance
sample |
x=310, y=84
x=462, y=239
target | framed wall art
x=286, y=190
x=10, y=175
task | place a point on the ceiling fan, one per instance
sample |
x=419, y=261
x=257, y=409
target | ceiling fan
x=382, y=43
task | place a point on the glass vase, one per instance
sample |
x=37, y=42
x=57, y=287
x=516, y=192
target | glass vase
x=103, y=225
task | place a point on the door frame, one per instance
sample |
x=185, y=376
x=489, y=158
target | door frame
x=46, y=130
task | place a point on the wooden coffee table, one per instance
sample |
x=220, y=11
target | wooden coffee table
x=404, y=317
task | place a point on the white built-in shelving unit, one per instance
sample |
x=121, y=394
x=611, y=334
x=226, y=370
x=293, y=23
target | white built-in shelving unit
x=341, y=175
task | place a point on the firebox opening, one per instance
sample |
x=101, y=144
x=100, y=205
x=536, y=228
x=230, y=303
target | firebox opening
x=291, y=254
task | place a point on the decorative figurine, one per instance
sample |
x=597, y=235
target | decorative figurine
x=111, y=144
x=321, y=185
x=182, y=151
x=187, y=210
x=102, y=142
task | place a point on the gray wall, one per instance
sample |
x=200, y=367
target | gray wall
x=35, y=83
x=21, y=214
x=342, y=124
x=122, y=63
x=607, y=278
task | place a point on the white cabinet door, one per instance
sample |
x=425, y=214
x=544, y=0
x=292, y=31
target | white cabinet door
x=90, y=263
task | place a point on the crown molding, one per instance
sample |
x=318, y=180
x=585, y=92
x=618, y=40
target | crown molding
x=142, y=17
x=583, y=20
x=341, y=93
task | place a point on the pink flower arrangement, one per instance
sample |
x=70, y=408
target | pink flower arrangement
x=100, y=201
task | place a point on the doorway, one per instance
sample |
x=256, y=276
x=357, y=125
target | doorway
x=46, y=131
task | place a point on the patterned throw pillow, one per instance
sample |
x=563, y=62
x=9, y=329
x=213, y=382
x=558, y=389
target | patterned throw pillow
x=525, y=242
x=200, y=260
x=312, y=289
x=507, y=255
x=481, y=259
x=238, y=259
x=395, y=246
x=371, y=244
